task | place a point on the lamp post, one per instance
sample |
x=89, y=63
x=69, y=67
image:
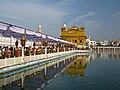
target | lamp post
x=46, y=44
x=23, y=41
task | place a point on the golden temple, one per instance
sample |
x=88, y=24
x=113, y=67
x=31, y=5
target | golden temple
x=74, y=35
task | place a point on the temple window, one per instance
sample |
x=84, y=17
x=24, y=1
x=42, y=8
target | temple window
x=75, y=41
x=80, y=41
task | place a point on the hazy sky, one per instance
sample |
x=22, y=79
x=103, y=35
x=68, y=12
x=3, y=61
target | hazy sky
x=100, y=17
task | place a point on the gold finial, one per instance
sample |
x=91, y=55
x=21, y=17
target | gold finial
x=82, y=27
x=74, y=27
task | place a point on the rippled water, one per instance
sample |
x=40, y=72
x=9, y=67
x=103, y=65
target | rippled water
x=97, y=71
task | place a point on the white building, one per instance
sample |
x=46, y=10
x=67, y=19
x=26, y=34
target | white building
x=104, y=43
x=90, y=42
x=116, y=42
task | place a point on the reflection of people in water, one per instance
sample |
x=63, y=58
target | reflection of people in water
x=78, y=67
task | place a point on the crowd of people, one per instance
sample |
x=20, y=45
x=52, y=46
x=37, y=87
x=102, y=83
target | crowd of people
x=9, y=52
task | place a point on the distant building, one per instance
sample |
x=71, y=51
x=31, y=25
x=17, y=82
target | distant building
x=103, y=43
x=116, y=42
x=93, y=43
x=90, y=42
x=74, y=34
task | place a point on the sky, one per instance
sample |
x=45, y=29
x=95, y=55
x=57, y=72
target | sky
x=101, y=18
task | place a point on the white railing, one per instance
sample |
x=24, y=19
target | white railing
x=18, y=60
x=83, y=51
x=10, y=61
x=106, y=47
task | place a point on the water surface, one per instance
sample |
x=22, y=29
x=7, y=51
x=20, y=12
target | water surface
x=97, y=71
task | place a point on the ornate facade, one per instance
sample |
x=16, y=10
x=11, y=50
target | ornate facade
x=74, y=34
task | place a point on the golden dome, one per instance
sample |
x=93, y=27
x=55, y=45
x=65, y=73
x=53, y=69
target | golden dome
x=82, y=28
x=63, y=27
x=74, y=27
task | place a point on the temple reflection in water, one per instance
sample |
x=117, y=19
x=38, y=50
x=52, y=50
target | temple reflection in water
x=78, y=67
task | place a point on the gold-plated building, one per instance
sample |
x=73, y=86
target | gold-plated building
x=74, y=35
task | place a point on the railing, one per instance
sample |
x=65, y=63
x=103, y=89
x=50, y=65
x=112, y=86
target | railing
x=106, y=47
x=83, y=51
x=19, y=60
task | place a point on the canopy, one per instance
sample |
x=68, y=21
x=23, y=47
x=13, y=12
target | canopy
x=9, y=30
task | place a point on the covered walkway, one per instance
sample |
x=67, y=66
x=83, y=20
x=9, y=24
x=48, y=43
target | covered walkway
x=42, y=46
